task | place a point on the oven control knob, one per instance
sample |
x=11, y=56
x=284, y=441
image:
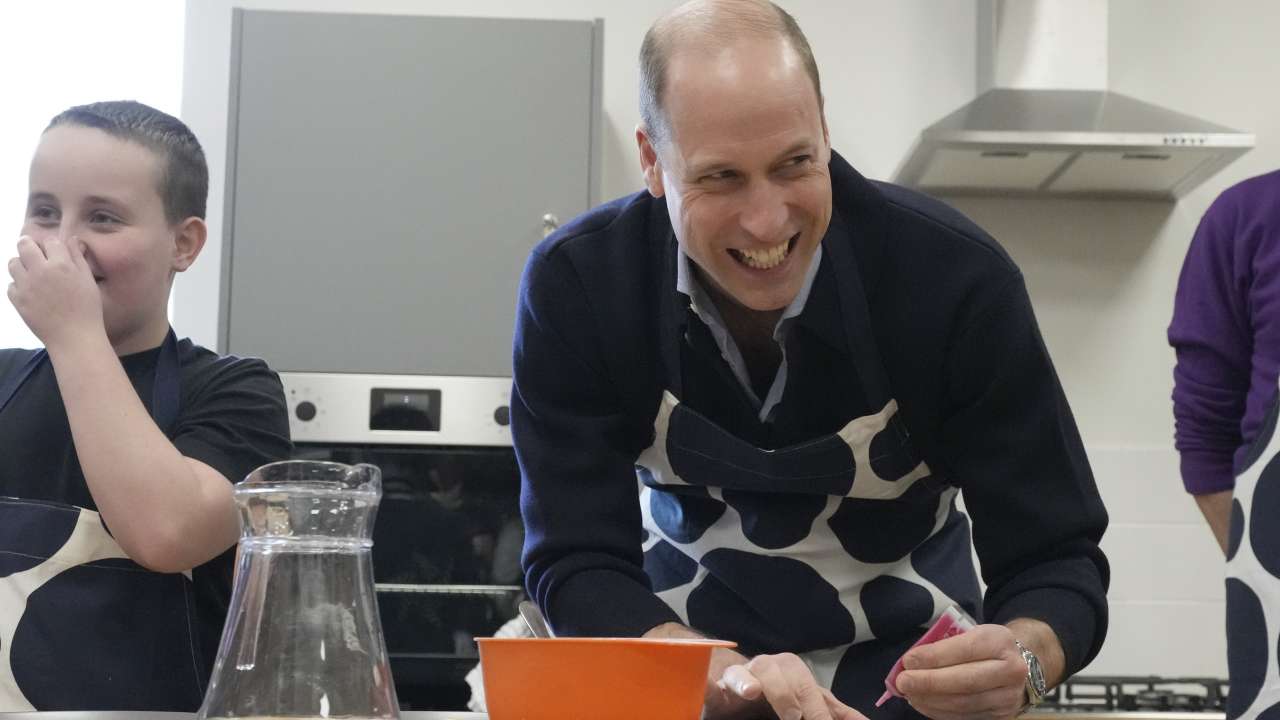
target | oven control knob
x=306, y=410
x=502, y=415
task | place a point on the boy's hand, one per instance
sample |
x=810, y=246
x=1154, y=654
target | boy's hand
x=54, y=291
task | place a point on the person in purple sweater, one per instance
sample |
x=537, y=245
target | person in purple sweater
x=1226, y=330
x=1226, y=333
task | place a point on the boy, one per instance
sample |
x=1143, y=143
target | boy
x=118, y=443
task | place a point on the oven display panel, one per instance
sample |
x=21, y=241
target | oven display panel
x=415, y=409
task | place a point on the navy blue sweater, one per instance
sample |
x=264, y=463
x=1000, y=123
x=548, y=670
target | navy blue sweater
x=960, y=351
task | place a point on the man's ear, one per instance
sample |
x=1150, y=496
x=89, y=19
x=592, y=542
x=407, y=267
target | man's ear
x=188, y=240
x=649, y=163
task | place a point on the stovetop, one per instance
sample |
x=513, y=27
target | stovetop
x=1157, y=697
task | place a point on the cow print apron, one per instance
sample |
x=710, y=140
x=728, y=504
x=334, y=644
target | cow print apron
x=1253, y=582
x=842, y=549
x=81, y=625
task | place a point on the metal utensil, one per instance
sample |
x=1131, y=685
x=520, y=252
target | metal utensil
x=533, y=618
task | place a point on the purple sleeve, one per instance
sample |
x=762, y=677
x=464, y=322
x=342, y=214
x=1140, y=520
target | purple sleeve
x=1211, y=336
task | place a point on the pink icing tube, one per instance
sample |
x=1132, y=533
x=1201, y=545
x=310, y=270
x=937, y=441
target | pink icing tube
x=952, y=622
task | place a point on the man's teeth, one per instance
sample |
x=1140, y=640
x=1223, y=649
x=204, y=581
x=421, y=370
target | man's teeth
x=764, y=259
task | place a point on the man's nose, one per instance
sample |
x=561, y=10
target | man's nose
x=764, y=216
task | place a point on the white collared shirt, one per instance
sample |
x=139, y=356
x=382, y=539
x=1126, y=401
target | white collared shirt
x=702, y=305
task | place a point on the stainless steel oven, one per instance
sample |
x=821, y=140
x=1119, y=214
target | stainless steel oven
x=448, y=534
x=1135, y=697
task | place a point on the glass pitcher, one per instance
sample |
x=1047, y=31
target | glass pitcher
x=302, y=637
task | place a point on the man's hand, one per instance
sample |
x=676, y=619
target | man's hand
x=54, y=291
x=769, y=686
x=978, y=675
x=763, y=688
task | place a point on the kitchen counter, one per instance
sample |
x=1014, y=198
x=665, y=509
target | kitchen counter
x=127, y=715
x=439, y=715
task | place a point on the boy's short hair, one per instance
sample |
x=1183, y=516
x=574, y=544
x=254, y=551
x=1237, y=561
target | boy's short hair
x=184, y=175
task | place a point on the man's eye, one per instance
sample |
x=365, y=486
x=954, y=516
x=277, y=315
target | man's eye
x=722, y=175
x=103, y=218
x=799, y=160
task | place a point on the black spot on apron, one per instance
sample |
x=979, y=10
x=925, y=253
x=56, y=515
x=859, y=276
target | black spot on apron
x=704, y=453
x=42, y=535
x=1264, y=525
x=864, y=666
x=47, y=646
x=893, y=603
x=684, y=513
x=776, y=520
x=667, y=567
x=1236, y=532
x=891, y=458
x=879, y=531
x=944, y=560
x=1248, y=638
x=804, y=608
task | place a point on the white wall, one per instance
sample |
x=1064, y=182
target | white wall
x=1102, y=277
x=127, y=50
x=1101, y=274
x=880, y=84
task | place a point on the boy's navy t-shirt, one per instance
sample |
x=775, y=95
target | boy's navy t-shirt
x=232, y=417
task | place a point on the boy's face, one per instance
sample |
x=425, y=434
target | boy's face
x=101, y=191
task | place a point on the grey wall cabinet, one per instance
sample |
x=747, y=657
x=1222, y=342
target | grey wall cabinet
x=387, y=177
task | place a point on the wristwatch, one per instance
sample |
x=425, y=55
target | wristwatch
x=1035, y=688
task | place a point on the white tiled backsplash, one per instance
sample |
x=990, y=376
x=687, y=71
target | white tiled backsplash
x=1166, y=569
x=1166, y=592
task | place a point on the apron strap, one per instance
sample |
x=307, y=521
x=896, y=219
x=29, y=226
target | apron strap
x=166, y=391
x=867, y=362
x=10, y=386
x=674, y=319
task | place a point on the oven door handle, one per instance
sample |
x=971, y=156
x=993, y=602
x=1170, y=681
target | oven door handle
x=406, y=588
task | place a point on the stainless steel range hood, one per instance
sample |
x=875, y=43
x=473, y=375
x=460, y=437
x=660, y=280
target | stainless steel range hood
x=1048, y=126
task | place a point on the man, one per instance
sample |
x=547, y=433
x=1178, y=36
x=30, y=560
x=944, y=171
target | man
x=802, y=368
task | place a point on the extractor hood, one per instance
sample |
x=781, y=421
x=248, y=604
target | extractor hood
x=1047, y=125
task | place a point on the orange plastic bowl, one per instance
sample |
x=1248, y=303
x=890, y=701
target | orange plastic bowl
x=595, y=678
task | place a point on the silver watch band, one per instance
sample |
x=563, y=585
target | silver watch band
x=1033, y=687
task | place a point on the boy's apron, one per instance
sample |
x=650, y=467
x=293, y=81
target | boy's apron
x=842, y=549
x=82, y=627
x=1253, y=581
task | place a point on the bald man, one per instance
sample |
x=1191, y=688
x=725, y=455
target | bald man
x=800, y=370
